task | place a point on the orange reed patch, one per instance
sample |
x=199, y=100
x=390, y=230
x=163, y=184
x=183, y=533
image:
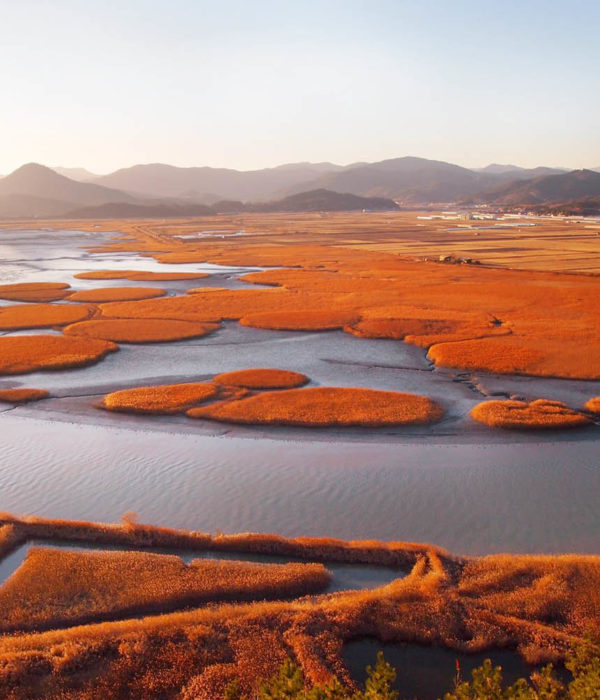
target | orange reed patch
x=41, y=315
x=22, y=395
x=149, y=330
x=105, y=294
x=208, y=304
x=325, y=406
x=538, y=414
x=309, y=320
x=262, y=379
x=140, y=276
x=547, y=356
x=593, y=405
x=424, y=332
x=30, y=353
x=34, y=291
x=167, y=398
x=54, y=587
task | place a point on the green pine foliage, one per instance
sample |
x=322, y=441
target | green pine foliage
x=486, y=683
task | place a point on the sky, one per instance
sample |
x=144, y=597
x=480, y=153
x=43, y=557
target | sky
x=255, y=83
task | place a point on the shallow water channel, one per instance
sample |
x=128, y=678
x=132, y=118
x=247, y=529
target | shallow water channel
x=344, y=577
x=427, y=673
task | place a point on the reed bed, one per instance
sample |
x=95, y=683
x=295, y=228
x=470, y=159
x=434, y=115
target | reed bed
x=55, y=588
x=131, y=533
x=260, y=378
x=162, y=399
x=140, y=276
x=11, y=536
x=540, y=605
x=325, y=407
x=22, y=316
x=34, y=291
x=105, y=294
x=536, y=415
x=560, y=590
x=30, y=353
x=22, y=395
x=309, y=320
x=425, y=332
x=593, y=405
x=534, y=323
x=139, y=330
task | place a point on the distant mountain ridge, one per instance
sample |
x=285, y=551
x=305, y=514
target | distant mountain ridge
x=206, y=184
x=34, y=190
x=78, y=174
x=578, y=184
x=317, y=200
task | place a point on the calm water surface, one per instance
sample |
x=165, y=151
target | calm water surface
x=469, y=498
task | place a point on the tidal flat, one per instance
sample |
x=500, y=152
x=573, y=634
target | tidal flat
x=350, y=497
x=454, y=482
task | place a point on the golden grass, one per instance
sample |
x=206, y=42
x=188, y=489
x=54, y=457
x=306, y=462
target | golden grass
x=132, y=533
x=536, y=415
x=22, y=395
x=423, y=332
x=140, y=276
x=10, y=538
x=147, y=330
x=30, y=353
x=546, y=357
x=593, y=405
x=559, y=590
x=167, y=398
x=34, y=291
x=57, y=587
x=105, y=294
x=473, y=317
x=323, y=407
x=308, y=320
x=262, y=379
x=41, y=315
x=540, y=605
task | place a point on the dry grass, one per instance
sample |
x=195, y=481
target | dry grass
x=41, y=315
x=209, y=304
x=541, y=605
x=536, y=415
x=560, y=590
x=325, y=407
x=10, y=538
x=166, y=398
x=308, y=320
x=34, y=291
x=473, y=317
x=262, y=379
x=423, y=332
x=30, y=353
x=147, y=330
x=105, y=294
x=140, y=276
x=593, y=405
x=56, y=587
x=542, y=357
x=22, y=395
x=132, y=533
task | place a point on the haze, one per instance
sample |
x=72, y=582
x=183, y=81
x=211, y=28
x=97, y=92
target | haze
x=250, y=85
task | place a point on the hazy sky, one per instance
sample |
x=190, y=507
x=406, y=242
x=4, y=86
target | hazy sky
x=254, y=83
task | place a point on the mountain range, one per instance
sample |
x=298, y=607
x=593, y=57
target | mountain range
x=34, y=190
